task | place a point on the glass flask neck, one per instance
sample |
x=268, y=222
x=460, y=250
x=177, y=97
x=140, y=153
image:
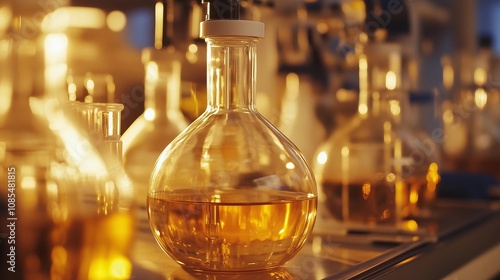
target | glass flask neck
x=231, y=73
x=380, y=91
x=16, y=78
x=162, y=85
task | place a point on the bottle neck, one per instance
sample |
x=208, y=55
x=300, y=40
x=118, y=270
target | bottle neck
x=162, y=89
x=380, y=91
x=231, y=73
x=16, y=76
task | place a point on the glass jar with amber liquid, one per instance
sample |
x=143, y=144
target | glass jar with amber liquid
x=231, y=193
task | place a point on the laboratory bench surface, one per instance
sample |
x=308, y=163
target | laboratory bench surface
x=460, y=239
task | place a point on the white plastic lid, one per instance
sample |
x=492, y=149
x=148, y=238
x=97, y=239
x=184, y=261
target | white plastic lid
x=230, y=27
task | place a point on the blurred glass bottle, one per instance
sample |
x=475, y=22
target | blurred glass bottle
x=471, y=119
x=231, y=193
x=162, y=119
x=424, y=151
x=299, y=78
x=70, y=210
x=364, y=168
x=160, y=123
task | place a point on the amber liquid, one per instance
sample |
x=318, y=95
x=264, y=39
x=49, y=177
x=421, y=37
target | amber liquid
x=419, y=194
x=361, y=203
x=239, y=230
x=93, y=248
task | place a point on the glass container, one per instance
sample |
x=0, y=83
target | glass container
x=367, y=167
x=71, y=212
x=471, y=119
x=161, y=121
x=231, y=193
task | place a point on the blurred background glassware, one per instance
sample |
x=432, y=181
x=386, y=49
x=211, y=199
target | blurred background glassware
x=365, y=168
x=73, y=211
x=231, y=193
x=162, y=119
x=91, y=88
x=160, y=123
x=299, y=78
x=470, y=116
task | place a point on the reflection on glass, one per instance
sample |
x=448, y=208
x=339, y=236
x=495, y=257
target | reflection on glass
x=231, y=193
x=73, y=210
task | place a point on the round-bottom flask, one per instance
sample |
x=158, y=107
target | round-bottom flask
x=231, y=193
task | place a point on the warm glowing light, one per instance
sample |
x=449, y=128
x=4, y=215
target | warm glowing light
x=413, y=196
x=344, y=151
x=354, y=11
x=292, y=85
x=322, y=27
x=432, y=176
x=76, y=17
x=149, y=114
x=322, y=158
x=193, y=48
x=158, y=23
x=448, y=73
x=363, y=109
x=363, y=86
x=390, y=80
x=387, y=132
x=411, y=225
x=480, y=76
x=89, y=84
x=448, y=116
x=116, y=21
x=394, y=107
x=56, y=46
x=290, y=165
x=390, y=177
x=121, y=268
x=28, y=182
x=192, y=53
x=72, y=91
x=5, y=17
x=152, y=72
x=366, y=189
x=5, y=83
x=480, y=98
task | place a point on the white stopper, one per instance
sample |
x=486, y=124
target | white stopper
x=230, y=27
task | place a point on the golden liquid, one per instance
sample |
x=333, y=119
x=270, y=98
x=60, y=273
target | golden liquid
x=420, y=193
x=93, y=248
x=363, y=203
x=236, y=230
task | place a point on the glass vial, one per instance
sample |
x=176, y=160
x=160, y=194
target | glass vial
x=231, y=193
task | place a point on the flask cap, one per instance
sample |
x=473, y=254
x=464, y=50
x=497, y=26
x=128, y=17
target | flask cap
x=223, y=19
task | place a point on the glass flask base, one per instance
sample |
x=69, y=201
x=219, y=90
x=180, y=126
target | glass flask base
x=216, y=231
